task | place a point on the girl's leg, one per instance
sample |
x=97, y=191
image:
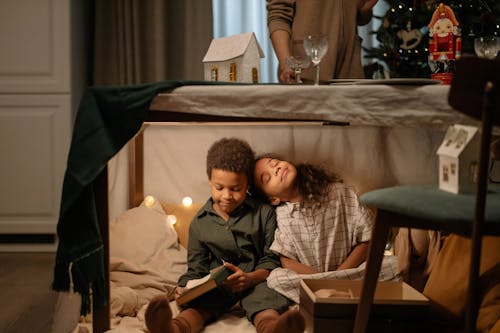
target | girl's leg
x=159, y=318
x=270, y=321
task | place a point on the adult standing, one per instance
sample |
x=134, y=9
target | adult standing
x=289, y=21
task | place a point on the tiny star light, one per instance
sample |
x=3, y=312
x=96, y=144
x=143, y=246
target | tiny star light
x=187, y=201
x=149, y=201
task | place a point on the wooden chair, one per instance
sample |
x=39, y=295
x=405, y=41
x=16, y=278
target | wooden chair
x=475, y=91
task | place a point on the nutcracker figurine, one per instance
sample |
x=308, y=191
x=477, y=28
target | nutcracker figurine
x=445, y=43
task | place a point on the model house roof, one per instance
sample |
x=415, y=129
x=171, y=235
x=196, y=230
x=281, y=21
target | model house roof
x=226, y=48
x=456, y=139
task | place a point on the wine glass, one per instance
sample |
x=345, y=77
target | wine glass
x=316, y=47
x=297, y=64
x=487, y=47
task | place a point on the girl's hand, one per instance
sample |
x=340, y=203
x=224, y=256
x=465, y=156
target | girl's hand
x=239, y=281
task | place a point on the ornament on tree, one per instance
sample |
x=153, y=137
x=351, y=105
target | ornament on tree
x=430, y=4
x=445, y=43
x=410, y=37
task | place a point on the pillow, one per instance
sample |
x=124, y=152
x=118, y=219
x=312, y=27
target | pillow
x=138, y=233
x=145, y=257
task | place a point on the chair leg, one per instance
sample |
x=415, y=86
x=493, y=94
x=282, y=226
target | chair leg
x=477, y=227
x=375, y=255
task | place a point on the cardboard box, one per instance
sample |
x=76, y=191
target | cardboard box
x=397, y=307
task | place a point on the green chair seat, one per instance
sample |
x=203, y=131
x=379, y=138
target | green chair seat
x=450, y=211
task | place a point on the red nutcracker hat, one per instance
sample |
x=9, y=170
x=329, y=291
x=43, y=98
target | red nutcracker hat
x=443, y=11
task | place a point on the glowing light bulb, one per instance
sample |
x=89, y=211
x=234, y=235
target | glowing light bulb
x=187, y=201
x=149, y=201
x=171, y=219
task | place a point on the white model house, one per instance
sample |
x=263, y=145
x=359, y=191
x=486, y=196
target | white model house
x=234, y=58
x=458, y=163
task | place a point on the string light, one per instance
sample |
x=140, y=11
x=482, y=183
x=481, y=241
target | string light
x=149, y=201
x=171, y=219
x=187, y=201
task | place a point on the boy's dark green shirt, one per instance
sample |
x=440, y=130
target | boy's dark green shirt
x=244, y=240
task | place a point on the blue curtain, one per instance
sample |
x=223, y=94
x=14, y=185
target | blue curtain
x=237, y=16
x=369, y=40
x=233, y=17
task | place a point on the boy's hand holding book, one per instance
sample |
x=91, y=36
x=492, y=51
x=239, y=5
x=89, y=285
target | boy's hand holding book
x=197, y=287
x=240, y=281
x=228, y=275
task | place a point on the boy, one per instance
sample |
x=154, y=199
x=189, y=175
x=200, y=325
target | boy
x=239, y=230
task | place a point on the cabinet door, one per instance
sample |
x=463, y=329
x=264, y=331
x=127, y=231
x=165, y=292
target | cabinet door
x=35, y=46
x=35, y=133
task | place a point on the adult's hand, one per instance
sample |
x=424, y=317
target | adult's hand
x=281, y=44
x=286, y=75
x=365, y=12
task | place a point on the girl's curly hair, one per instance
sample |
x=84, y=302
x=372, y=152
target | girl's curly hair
x=231, y=154
x=312, y=181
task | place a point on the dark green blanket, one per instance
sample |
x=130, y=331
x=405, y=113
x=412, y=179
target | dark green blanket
x=107, y=118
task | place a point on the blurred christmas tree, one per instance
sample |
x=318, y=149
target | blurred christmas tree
x=404, y=36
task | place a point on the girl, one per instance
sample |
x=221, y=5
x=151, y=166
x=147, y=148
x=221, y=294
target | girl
x=323, y=231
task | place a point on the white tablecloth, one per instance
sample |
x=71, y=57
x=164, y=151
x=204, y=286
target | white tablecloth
x=374, y=105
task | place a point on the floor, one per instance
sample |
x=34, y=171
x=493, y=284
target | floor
x=26, y=300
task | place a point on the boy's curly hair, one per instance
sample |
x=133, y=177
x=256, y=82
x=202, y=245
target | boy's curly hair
x=231, y=154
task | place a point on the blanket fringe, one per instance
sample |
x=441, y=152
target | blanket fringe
x=84, y=276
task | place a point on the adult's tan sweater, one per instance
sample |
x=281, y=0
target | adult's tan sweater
x=335, y=18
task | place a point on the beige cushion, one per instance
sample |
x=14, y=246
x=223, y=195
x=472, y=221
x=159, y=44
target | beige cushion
x=447, y=284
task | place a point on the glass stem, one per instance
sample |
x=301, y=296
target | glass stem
x=297, y=76
x=316, y=77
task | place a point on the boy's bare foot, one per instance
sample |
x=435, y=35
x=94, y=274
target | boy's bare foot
x=291, y=321
x=158, y=315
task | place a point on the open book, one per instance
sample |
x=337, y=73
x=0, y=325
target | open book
x=198, y=287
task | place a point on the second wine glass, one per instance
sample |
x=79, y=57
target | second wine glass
x=487, y=47
x=316, y=47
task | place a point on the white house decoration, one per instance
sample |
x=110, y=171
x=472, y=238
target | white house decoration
x=458, y=161
x=234, y=58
